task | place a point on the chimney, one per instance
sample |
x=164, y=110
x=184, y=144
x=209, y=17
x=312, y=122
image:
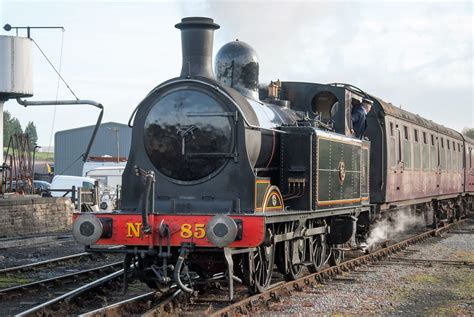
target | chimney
x=197, y=37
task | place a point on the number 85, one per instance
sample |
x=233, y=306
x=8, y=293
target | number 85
x=187, y=231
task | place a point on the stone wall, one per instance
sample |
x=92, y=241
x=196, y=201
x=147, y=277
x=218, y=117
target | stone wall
x=31, y=215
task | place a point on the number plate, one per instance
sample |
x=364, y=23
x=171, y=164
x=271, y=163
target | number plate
x=189, y=231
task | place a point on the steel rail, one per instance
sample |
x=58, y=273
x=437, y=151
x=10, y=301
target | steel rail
x=146, y=302
x=249, y=304
x=10, y=291
x=40, y=309
x=44, y=263
x=117, y=309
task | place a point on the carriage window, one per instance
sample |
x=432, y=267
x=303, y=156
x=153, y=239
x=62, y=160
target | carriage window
x=416, y=135
x=424, y=138
x=405, y=132
x=432, y=140
x=391, y=128
x=447, y=142
x=442, y=143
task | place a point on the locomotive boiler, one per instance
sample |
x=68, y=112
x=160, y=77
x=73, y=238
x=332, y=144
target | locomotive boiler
x=226, y=178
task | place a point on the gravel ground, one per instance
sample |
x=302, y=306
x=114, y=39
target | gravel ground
x=398, y=287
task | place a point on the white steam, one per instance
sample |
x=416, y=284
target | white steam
x=397, y=223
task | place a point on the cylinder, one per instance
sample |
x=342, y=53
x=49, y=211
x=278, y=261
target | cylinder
x=16, y=76
x=197, y=38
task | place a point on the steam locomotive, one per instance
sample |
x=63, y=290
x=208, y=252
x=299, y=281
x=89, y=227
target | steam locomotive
x=227, y=176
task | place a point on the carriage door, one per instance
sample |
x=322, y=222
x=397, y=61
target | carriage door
x=438, y=166
x=400, y=164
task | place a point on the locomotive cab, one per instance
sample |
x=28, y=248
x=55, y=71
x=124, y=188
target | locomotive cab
x=329, y=103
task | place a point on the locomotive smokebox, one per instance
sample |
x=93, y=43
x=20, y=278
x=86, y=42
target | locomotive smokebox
x=197, y=38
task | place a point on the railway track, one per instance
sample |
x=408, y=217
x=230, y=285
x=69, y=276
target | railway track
x=254, y=303
x=177, y=303
x=46, y=263
x=59, y=280
x=58, y=305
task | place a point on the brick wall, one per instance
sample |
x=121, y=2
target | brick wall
x=32, y=215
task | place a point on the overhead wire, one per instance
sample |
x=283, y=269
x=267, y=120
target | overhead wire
x=70, y=165
x=63, y=80
x=57, y=94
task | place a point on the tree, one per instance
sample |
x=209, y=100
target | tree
x=33, y=136
x=469, y=132
x=11, y=126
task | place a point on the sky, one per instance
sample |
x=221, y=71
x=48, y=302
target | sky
x=417, y=55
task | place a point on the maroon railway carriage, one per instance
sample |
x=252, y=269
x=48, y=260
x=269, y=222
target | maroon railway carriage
x=415, y=161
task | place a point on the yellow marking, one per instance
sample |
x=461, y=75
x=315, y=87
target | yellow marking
x=341, y=201
x=133, y=229
x=199, y=231
x=187, y=231
x=260, y=181
x=267, y=198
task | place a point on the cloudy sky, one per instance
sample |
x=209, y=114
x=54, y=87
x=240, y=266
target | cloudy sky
x=415, y=54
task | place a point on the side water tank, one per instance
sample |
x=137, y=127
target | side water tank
x=16, y=77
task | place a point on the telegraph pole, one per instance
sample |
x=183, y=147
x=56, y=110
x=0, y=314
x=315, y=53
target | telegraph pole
x=116, y=130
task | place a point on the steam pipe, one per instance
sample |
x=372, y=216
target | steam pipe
x=85, y=155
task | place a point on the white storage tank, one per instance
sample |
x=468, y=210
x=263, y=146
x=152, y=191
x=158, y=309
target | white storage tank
x=16, y=76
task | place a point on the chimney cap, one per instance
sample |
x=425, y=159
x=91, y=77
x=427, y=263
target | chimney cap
x=197, y=22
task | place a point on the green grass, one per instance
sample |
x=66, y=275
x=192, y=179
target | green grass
x=38, y=156
x=44, y=156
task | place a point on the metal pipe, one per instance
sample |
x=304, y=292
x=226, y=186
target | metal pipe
x=177, y=271
x=27, y=103
x=149, y=180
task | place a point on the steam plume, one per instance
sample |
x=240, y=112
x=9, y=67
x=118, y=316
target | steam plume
x=393, y=226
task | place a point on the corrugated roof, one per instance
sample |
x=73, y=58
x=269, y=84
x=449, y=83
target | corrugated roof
x=92, y=126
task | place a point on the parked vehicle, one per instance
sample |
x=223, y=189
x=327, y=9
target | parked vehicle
x=108, y=176
x=67, y=182
x=40, y=187
x=102, y=161
x=110, y=181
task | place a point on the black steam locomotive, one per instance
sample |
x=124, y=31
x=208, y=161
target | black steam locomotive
x=227, y=176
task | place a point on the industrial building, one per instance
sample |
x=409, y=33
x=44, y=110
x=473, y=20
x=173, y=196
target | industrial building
x=112, y=139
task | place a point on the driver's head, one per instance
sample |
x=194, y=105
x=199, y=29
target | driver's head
x=367, y=104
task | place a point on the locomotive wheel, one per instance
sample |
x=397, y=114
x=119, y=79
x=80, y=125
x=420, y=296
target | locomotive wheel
x=318, y=253
x=295, y=271
x=262, y=261
x=336, y=256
